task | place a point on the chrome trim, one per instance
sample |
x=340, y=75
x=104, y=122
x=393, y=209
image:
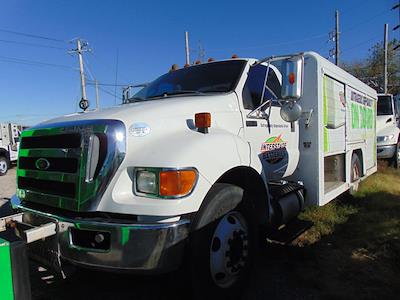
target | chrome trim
x=136, y=248
x=137, y=193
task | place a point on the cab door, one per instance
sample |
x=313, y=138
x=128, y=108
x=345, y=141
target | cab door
x=273, y=140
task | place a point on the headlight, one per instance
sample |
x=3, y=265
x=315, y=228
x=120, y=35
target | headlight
x=165, y=183
x=385, y=138
x=146, y=182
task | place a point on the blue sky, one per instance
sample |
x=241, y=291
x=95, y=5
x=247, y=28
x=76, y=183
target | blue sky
x=148, y=37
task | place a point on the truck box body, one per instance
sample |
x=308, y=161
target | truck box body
x=342, y=120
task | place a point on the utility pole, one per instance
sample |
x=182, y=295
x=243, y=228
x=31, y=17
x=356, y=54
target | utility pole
x=337, y=44
x=82, y=46
x=187, y=48
x=81, y=71
x=397, y=27
x=97, y=95
x=385, y=67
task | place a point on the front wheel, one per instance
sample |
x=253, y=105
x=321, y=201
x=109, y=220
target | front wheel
x=223, y=244
x=396, y=157
x=3, y=165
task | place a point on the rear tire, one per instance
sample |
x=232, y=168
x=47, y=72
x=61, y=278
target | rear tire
x=223, y=244
x=356, y=172
x=396, y=157
x=4, y=164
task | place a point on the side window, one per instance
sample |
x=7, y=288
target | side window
x=253, y=87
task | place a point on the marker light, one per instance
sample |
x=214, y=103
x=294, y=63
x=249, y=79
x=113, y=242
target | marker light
x=175, y=183
x=292, y=78
x=202, y=121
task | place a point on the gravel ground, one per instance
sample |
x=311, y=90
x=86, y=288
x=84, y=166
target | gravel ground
x=7, y=184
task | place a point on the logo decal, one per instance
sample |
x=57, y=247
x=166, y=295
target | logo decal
x=273, y=150
x=139, y=129
x=42, y=164
x=273, y=143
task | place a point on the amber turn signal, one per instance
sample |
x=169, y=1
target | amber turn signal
x=202, y=121
x=177, y=183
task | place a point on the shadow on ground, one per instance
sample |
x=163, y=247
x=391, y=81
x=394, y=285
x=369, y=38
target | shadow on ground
x=361, y=259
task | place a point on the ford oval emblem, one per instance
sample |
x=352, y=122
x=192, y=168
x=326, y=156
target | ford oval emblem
x=139, y=129
x=42, y=164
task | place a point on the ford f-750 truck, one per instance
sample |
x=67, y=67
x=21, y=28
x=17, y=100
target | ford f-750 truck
x=196, y=165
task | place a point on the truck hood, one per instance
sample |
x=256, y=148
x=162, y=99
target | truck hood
x=151, y=111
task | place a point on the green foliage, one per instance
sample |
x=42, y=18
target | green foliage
x=370, y=70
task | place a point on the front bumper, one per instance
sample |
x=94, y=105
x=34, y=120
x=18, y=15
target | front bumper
x=132, y=247
x=387, y=151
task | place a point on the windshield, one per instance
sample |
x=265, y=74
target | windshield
x=384, y=105
x=216, y=77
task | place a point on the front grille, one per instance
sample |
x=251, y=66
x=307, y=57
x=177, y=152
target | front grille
x=56, y=164
x=64, y=189
x=72, y=140
x=60, y=166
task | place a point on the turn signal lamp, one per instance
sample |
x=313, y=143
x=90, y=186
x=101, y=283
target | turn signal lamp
x=165, y=183
x=202, y=121
x=177, y=183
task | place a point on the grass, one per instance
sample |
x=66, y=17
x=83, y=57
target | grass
x=354, y=247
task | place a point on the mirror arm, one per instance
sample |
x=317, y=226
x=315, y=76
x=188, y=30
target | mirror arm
x=250, y=114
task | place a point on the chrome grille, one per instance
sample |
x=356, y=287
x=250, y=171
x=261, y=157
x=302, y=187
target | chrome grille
x=59, y=166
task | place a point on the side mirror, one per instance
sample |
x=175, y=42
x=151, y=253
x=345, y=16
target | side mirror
x=292, y=78
x=290, y=111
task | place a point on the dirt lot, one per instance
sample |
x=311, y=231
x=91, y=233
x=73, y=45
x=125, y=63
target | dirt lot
x=353, y=251
x=7, y=184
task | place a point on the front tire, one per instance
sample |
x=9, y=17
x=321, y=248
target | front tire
x=396, y=157
x=222, y=244
x=3, y=165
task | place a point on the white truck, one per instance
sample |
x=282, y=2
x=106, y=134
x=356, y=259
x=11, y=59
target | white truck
x=387, y=130
x=195, y=166
x=9, y=140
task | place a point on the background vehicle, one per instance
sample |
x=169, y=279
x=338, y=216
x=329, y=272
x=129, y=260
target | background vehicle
x=197, y=164
x=387, y=129
x=9, y=140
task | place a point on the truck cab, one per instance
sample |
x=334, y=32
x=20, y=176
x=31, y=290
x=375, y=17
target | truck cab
x=387, y=130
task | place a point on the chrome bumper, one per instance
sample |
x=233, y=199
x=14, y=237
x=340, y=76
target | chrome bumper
x=148, y=248
x=384, y=152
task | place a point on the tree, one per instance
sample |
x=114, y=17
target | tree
x=370, y=69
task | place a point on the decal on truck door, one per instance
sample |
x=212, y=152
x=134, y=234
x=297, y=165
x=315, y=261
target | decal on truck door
x=273, y=150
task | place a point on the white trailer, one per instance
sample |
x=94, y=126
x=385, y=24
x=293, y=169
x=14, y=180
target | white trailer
x=9, y=141
x=196, y=164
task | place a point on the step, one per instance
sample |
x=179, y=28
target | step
x=289, y=232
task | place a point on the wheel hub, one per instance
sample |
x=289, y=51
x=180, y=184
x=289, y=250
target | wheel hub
x=3, y=166
x=229, y=249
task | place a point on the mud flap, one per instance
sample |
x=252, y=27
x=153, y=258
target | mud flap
x=14, y=268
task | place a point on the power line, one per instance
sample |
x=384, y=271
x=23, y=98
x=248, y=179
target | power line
x=36, y=36
x=107, y=84
x=31, y=44
x=361, y=43
x=33, y=62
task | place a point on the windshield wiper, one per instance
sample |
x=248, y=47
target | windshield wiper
x=177, y=92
